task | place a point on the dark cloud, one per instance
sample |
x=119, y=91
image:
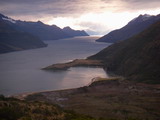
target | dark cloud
x=134, y=5
x=71, y=7
x=52, y=7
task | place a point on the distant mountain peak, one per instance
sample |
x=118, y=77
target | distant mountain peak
x=39, y=22
x=142, y=18
x=9, y=19
x=2, y=17
x=67, y=28
x=145, y=17
x=73, y=32
x=133, y=27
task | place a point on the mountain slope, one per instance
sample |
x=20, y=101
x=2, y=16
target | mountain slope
x=14, y=109
x=74, y=33
x=134, y=27
x=14, y=40
x=137, y=58
x=43, y=31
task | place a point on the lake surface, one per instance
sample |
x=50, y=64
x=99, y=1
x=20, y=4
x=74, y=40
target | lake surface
x=20, y=72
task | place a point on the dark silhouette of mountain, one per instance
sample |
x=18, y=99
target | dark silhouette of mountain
x=14, y=40
x=74, y=33
x=137, y=58
x=19, y=35
x=43, y=31
x=134, y=27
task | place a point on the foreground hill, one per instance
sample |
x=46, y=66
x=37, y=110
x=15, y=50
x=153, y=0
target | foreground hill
x=14, y=109
x=137, y=58
x=134, y=27
x=14, y=40
x=74, y=33
x=108, y=99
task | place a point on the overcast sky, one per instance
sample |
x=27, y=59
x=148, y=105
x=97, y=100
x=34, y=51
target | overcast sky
x=99, y=16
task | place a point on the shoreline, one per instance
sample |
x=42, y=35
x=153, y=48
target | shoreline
x=65, y=66
x=75, y=63
x=22, y=96
x=110, y=94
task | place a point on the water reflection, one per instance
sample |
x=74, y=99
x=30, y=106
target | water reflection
x=21, y=71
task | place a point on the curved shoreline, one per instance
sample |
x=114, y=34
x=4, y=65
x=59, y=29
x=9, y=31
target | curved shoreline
x=75, y=63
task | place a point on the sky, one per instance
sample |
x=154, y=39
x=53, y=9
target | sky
x=94, y=16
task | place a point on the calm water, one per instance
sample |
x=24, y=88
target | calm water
x=20, y=71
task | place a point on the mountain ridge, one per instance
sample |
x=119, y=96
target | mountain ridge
x=18, y=35
x=42, y=30
x=133, y=27
x=136, y=58
x=16, y=40
x=74, y=33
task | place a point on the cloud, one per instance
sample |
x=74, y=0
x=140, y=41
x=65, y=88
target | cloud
x=51, y=7
x=48, y=10
x=71, y=7
x=94, y=28
x=134, y=5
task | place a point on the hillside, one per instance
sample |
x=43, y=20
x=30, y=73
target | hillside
x=134, y=27
x=137, y=58
x=14, y=109
x=108, y=99
x=43, y=31
x=15, y=40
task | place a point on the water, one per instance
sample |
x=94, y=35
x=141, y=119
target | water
x=21, y=72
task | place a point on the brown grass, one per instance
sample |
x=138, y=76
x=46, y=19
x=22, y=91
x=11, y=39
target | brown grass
x=109, y=99
x=75, y=63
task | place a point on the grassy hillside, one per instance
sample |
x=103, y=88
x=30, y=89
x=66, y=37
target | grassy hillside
x=108, y=99
x=137, y=58
x=14, y=109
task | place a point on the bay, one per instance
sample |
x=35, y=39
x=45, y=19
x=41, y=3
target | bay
x=20, y=72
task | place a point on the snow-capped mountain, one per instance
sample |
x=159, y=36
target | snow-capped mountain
x=12, y=39
x=41, y=30
x=134, y=27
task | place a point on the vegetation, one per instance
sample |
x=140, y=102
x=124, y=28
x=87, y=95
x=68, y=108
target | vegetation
x=137, y=58
x=75, y=63
x=14, y=109
x=108, y=99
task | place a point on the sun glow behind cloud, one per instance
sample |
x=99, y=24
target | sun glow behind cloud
x=103, y=22
x=92, y=20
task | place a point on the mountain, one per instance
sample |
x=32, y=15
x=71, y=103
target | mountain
x=15, y=40
x=43, y=31
x=137, y=58
x=134, y=27
x=74, y=33
x=20, y=35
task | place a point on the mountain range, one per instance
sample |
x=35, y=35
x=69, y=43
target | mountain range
x=74, y=33
x=134, y=27
x=15, y=40
x=136, y=58
x=20, y=35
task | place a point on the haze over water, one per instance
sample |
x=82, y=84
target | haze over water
x=21, y=72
